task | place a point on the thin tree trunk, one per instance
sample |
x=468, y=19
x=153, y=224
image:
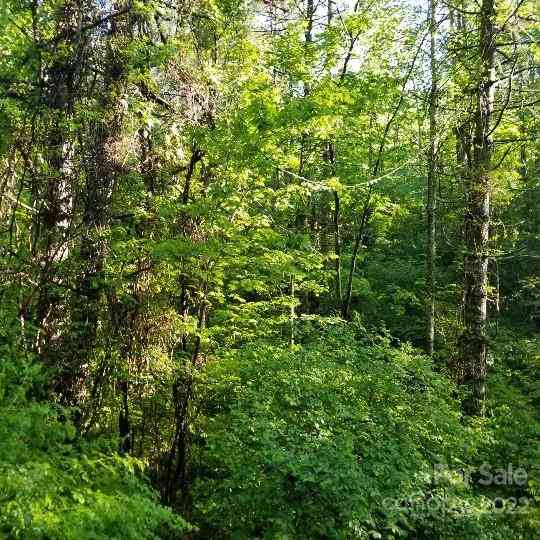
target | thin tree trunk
x=346, y=307
x=292, y=313
x=431, y=184
x=329, y=12
x=337, y=247
x=310, y=12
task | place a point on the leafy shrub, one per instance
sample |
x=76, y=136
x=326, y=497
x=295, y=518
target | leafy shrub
x=54, y=486
x=332, y=440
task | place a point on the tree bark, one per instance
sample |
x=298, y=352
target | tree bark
x=104, y=166
x=473, y=342
x=337, y=247
x=59, y=81
x=431, y=202
x=346, y=306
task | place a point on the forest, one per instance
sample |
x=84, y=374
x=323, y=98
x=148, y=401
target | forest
x=269, y=269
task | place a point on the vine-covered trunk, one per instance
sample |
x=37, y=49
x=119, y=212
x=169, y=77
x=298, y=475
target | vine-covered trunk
x=103, y=166
x=54, y=194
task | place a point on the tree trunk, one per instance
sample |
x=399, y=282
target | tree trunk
x=55, y=215
x=104, y=166
x=473, y=342
x=337, y=248
x=431, y=202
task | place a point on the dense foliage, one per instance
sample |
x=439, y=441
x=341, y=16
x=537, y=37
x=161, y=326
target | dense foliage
x=327, y=442
x=55, y=485
x=269, y=269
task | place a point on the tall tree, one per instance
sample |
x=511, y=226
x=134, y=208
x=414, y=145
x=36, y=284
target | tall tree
x=54, y=197
x=103, y=159
x=431, y=201
x=473, y=342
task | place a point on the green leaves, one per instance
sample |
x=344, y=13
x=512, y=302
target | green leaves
x=175, y=249
x=54, y=487
x=312, y=442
